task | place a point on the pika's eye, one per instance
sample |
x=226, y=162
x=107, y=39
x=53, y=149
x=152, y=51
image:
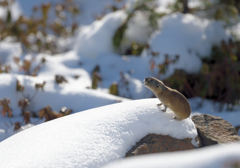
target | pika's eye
x=157, y=86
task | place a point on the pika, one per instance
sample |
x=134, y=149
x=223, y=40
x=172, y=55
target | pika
x=170, y=98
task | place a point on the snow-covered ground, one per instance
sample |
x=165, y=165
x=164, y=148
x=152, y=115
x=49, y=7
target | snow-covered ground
x=96, y=137
x=92, y=138
x=92, y=47
x=106, y=132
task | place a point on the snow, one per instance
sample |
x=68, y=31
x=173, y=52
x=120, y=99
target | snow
x=73, y=96
x=27, y=5
x=210, y=157
x=90, y=9
x=211, y=108
x=168, y=40
x=15, y=10
x=235, y=29
x=93, y=47
x=92, y=138
x=101, y=129
x=189, y=37
x=8, y=50
x=89, y=40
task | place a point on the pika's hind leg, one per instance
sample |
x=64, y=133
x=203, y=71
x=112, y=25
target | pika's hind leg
x=165, y=109
x=178, y=119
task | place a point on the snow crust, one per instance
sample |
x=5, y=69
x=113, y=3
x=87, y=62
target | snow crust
x=91, y=138
x=209, y=157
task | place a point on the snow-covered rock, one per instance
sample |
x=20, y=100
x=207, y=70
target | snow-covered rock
x=208, y=157
x=91, y=138
x=214, y=130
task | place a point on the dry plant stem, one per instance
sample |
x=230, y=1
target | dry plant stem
x=0, y=43
x=189, y=89
x=23, y=95
x=36, y=91
x=201, y=103
x=37, y=121
x=9, y=121
x=6, y=124
x=30, y=99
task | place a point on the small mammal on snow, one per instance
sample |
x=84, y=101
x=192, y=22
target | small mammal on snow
x=170, y=98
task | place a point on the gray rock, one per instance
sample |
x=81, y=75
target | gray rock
x=214, y=130
x=153, y=143
x=211, y=130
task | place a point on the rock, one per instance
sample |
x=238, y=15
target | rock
x=214, y=130
x=153, y=143
x=237, y=128
x=211, y=130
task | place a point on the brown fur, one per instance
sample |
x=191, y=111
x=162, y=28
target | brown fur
x=170, y=98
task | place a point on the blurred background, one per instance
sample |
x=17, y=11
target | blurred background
x=60, y=57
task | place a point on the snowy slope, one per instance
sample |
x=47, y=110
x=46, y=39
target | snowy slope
x=209, y=157
x=91, y=138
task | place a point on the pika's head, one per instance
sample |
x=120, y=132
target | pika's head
x=154, y=84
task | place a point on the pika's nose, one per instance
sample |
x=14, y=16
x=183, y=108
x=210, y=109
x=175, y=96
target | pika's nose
x=146, y=80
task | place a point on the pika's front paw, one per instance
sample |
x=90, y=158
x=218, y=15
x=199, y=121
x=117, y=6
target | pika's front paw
x=164, y=110
x=178, y=119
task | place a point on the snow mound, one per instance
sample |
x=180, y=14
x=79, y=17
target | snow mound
x=97, y=38
x=91, y=138
x=189, y=37
x=208, y=157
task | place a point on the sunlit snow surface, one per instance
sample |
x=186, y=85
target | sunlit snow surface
x=91, y=138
